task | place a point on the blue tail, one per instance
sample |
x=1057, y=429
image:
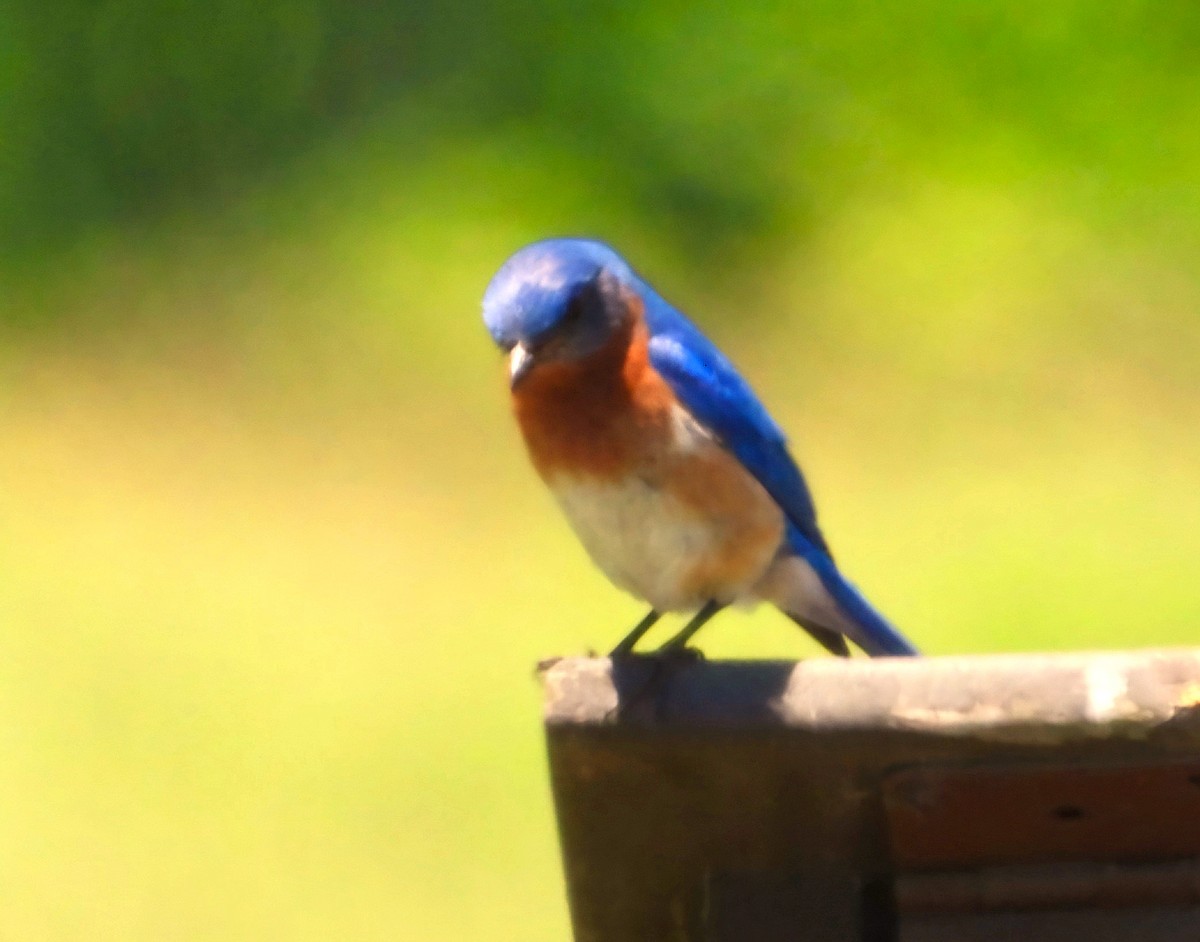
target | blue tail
x=869, y=630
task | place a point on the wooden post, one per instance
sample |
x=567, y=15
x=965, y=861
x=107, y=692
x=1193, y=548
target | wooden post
x=972, y=799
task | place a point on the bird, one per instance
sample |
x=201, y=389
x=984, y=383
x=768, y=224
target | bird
x=667, y=465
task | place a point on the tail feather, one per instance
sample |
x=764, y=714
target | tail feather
x=865, y=626
x=832, y=641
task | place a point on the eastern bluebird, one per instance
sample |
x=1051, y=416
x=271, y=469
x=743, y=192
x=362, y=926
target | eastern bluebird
x=669, y=469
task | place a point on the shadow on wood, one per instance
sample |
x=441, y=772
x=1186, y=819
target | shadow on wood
x=975, y=798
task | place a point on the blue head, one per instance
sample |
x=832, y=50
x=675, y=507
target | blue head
x=556, y=300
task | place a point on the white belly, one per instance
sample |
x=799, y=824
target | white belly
x=681, y=524
x=667, y=548
x=644, y=540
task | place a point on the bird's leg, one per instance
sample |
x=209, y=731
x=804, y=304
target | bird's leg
x=666, y=660
x=679, y=642
x=627, y=643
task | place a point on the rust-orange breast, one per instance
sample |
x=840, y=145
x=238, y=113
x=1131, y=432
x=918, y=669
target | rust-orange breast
x=598, y=416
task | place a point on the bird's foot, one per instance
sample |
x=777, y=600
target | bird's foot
x=643, y=680
x=681, y=654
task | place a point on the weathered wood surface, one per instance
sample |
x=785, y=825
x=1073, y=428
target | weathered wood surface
x=825, y=800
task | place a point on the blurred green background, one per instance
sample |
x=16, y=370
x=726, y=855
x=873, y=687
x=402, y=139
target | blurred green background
x=274, y=571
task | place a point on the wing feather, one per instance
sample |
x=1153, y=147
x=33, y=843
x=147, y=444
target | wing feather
x=711, y=389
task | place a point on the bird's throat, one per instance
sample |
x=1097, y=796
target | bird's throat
x=590, y=415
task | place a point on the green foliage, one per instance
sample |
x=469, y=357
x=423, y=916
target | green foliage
x=721, y=127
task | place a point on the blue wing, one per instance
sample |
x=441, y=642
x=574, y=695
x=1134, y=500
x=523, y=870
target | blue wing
x=715, y=394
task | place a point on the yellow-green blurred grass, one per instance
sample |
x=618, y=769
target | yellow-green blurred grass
x=275, y=574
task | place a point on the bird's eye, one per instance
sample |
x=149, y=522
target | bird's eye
x=574, y=310
x=580, y=303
